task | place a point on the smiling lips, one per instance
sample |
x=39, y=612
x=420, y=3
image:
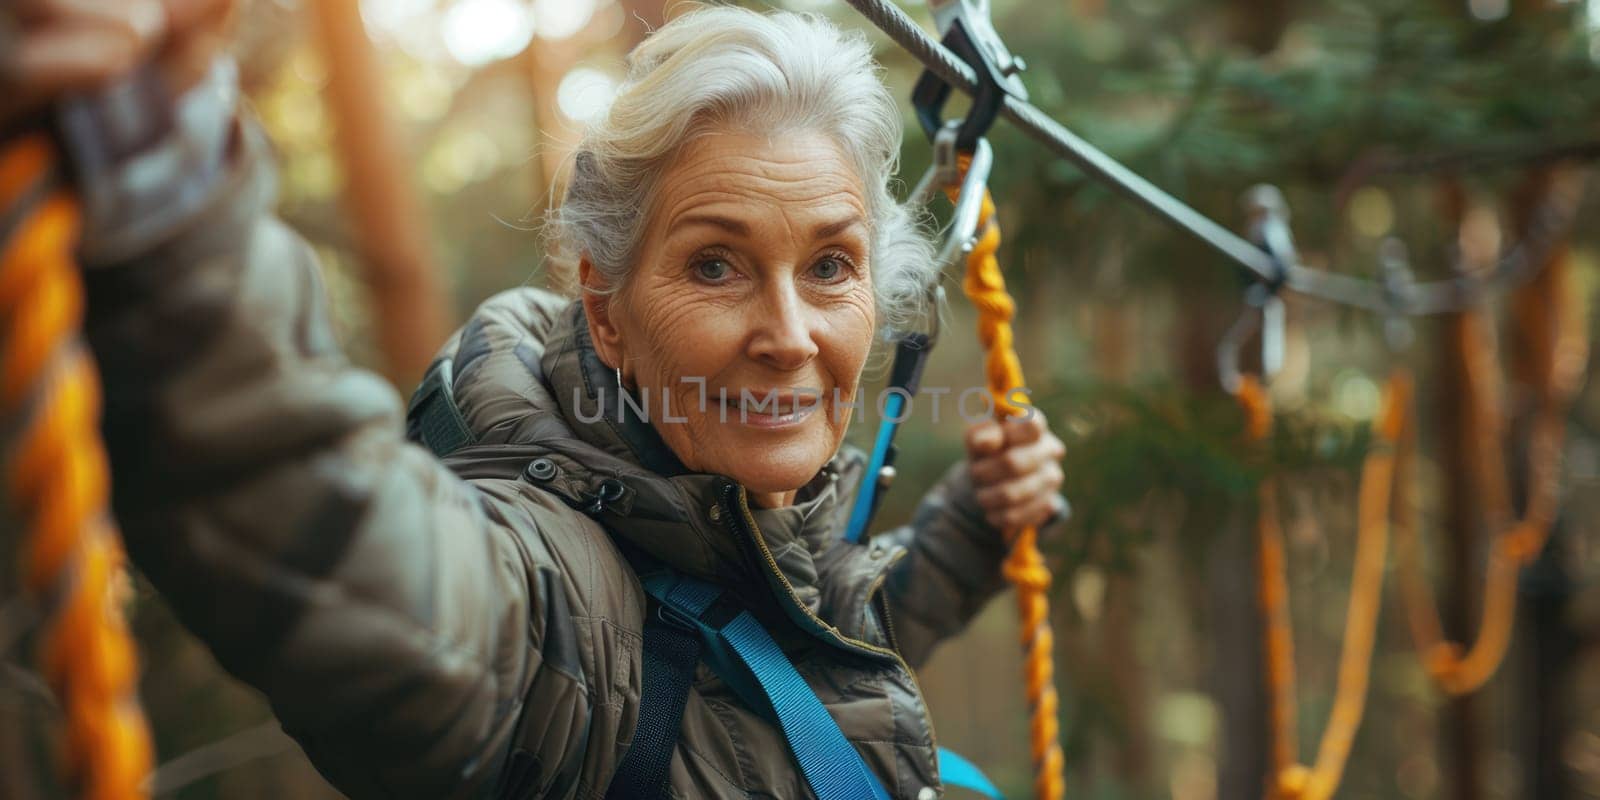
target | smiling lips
x=769, y=408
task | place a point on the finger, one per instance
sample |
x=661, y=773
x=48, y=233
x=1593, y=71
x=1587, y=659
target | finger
x=82, y=45
x=1053, y=443
x=984, y=439
x=1033, y=514
x=1014, y=462
x=185, y=14
x=191, y=52
x=1021, y=491
x=1025, y=428
x=142, y=20
x=36, y=11
x=74, y=58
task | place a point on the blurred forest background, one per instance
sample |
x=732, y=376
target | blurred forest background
x=418, y=158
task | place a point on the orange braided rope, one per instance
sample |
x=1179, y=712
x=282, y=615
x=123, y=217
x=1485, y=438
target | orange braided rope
x=56, y=477
x=1556, y=329
x=1272, y=566
x=1024, y=566
x=1291, y=779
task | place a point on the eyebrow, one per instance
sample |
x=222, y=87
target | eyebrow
x=828, y=230
x=736, y=227
x=728, y=224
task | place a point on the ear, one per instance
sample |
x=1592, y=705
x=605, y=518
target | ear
x=597, y=305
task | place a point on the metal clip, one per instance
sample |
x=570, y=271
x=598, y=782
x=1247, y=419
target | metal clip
x=1394, y=270
x=962, y=235
x=975, y=17
x=968, y=32
x=1266, y=315
x=1268, y=215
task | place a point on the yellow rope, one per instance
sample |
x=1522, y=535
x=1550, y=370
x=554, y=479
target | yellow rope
x=1272, y=566
x=1291, y=779
x=56, y=477
x=1562, y=351
x=1024, y=567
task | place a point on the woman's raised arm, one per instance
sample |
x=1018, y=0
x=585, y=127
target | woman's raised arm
x=395, y=616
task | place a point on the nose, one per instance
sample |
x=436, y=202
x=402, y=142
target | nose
x=785, y=328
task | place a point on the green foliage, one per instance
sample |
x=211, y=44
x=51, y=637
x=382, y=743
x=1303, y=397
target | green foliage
x=1130, y=446
x=1159, y=86
x=1162, y=86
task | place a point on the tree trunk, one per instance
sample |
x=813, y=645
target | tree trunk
x=1460, y=729
x=1460, y=725
x=1113, y=322
x=1259, y=24
x=1548, y=645
x=1545, y=316
x=1237, y=631
x=1232, y=585
x=545, y=62
x=410, y=306
x=544, y=78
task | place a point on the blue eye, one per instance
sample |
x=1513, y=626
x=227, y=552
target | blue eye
x=712, y=269
x=829, y=268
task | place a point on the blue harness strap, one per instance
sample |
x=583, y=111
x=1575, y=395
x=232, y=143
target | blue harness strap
x=745, y=655
x=867, y=495
x=910, y=356
x=957, y=771
x=829, y=763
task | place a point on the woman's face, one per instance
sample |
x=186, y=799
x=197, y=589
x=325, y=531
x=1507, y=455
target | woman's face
x=753, y=280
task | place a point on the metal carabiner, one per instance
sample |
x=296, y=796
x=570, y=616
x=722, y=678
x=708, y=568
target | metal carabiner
x=968, y=32
x=1267, y=213
x=975, y=14
x=1394, y=270
x=962, y=234
x=1268, y=216
x=1266, y=314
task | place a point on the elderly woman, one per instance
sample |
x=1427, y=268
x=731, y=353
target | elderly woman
x=467, y=617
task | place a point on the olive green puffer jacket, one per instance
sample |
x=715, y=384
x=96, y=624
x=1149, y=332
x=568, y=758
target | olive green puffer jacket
x=466, y=626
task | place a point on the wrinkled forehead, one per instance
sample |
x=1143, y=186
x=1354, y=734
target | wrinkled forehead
x=799, y=174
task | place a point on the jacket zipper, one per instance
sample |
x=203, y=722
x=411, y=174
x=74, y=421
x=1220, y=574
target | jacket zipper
x=742, y=517
x=883, y=611
x=739, y=514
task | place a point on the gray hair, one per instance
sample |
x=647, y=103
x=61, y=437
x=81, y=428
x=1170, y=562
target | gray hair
x=721, y=67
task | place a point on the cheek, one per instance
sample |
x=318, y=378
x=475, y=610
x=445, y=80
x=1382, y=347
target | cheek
x=676, y=333
x=848, y=337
